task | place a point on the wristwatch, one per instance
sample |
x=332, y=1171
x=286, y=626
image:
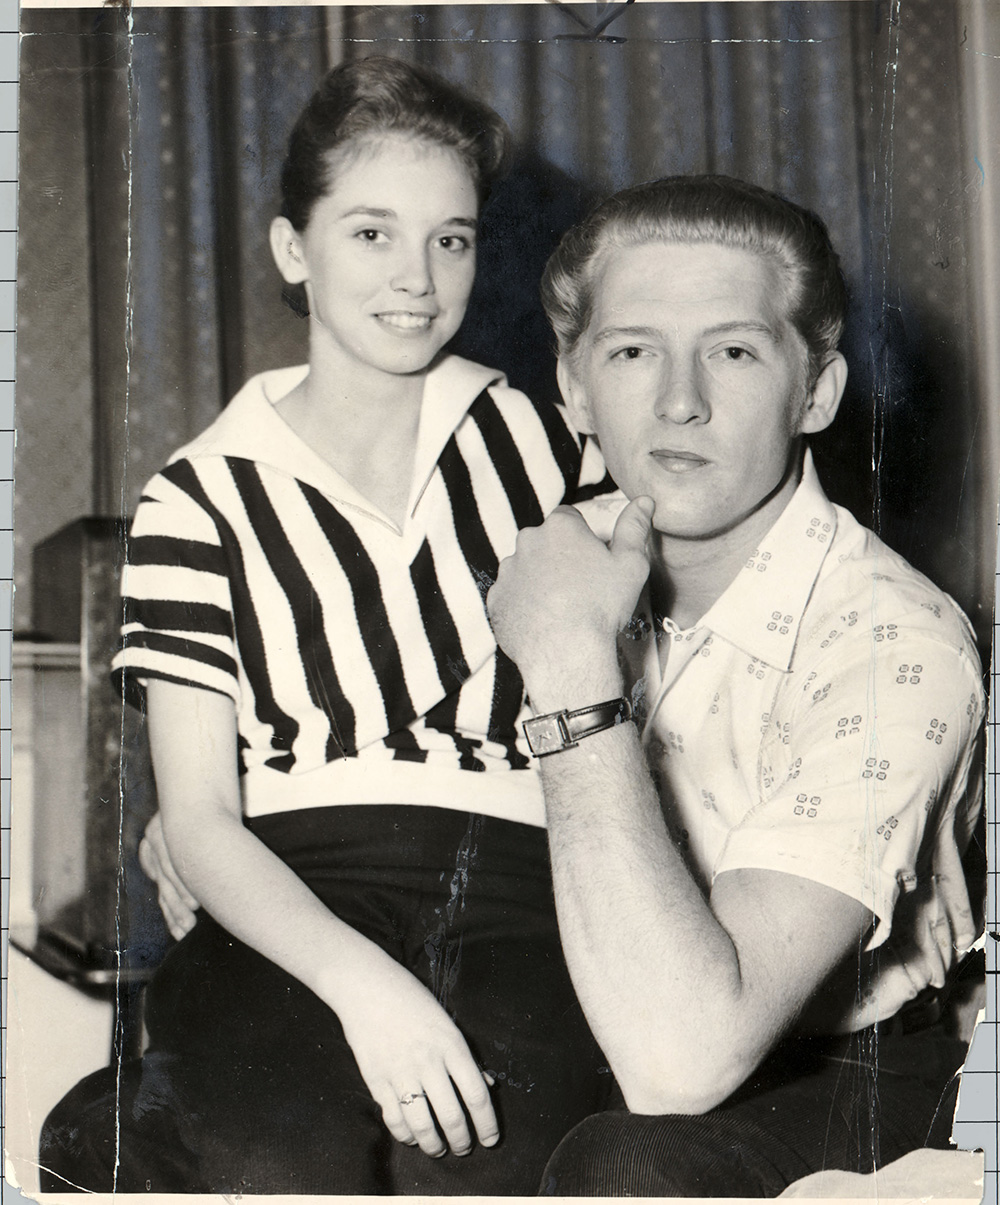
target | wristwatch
x=561, y=730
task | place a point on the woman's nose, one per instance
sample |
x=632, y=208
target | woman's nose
x=681, y=397
x=413, y=273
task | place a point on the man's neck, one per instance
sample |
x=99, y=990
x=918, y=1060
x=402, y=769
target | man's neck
x=687, y=577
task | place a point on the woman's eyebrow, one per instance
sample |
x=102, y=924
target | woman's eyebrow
x=370, y=211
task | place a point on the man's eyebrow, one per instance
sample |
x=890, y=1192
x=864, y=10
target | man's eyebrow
x=624, y=332
x=745, y=324
x=736, y=326
x=370, y=211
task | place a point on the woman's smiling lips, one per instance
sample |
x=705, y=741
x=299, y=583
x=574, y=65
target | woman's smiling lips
x=406, y=320
x=676, y=461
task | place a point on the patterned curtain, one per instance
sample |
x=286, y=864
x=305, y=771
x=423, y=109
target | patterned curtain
x=168, y=127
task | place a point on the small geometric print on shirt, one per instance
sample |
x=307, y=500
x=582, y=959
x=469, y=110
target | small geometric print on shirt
x=848, y=725
x=780, y=623
x=875, y=769
x=909, y=674
x=806, y=805
x=759, y=561
x=885, y=830
x=936, y=731
x=818, y=530
x=672, y=742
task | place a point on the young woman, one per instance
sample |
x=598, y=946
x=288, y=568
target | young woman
x=373, y=998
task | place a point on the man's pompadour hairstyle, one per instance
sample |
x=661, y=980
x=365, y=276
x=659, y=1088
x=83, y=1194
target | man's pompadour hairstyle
x=703, y=209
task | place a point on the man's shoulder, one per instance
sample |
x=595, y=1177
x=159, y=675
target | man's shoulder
x=867, y=589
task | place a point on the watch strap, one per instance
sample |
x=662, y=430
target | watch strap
x=561, y=730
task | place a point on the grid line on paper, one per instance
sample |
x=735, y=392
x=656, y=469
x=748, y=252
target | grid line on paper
x=8, y=125
x=978, y=1123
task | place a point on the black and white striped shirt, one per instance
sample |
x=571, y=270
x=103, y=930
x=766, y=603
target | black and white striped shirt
x=359, y=656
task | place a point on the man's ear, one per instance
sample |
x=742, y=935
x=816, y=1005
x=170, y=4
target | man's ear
x=824, y=398
x=575, y=397
x=286, y=247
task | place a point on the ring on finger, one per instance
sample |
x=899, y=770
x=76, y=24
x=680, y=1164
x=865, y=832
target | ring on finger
x=409, y=1097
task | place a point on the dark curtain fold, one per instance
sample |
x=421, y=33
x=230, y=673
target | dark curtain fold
x=853, y=109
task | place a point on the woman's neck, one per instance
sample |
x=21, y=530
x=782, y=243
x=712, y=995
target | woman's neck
x=362, y=422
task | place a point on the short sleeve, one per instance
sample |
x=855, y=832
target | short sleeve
x=176, y=597
x=866, y=765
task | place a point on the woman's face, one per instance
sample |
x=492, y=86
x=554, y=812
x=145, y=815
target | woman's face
x=388, y=256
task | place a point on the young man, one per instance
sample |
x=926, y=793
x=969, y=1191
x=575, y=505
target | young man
x=757, y=877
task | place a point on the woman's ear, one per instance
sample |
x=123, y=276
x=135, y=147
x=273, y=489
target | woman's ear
x=286, y=247
x=824, y=398
x=575, y=397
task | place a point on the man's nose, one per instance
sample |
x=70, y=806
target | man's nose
x=412, y=272
x=681, y=396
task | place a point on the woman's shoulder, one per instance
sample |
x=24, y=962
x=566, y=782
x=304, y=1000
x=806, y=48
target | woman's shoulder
x=474, y=382
x=248, y=425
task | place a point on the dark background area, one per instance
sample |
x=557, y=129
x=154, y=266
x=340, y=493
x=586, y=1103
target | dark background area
x=150, y=150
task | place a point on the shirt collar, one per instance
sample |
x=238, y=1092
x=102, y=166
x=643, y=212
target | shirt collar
x=761, y=610
x=251, y=429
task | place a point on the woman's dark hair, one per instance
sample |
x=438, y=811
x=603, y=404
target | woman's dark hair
x=703, y=209
x=369, y=97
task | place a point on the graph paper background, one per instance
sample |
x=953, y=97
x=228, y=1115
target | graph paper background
x=978, y=1124
x=8, y=259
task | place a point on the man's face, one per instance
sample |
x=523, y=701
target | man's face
x=694, y=382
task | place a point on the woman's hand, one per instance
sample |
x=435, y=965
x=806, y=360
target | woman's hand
x=415, y=1061
x=177, y=904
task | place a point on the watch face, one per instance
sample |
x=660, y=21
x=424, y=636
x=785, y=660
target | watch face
x=547, y=734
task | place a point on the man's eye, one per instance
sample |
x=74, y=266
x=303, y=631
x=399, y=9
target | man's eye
x=736, y=354
x=628, y=353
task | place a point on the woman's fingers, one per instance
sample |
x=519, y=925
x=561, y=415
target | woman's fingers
x=449, y=1112
x=952, y=891
x=472, y=1086
x=935, y=943
x=436, y=1117
x=395, y=1122
x=414, y=1110
x=177, y=904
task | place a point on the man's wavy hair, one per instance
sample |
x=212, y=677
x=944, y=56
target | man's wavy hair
x=360, y=102
x=703, y=209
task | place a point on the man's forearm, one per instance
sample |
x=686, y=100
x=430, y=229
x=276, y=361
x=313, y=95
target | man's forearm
x=656, y=973
x=685, y=993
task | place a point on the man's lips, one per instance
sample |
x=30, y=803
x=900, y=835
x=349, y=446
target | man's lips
x=676, y=461
x=406, y=320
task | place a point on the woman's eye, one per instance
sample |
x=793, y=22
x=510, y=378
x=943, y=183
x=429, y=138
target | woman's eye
x=454, y=242
x=371, y=236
